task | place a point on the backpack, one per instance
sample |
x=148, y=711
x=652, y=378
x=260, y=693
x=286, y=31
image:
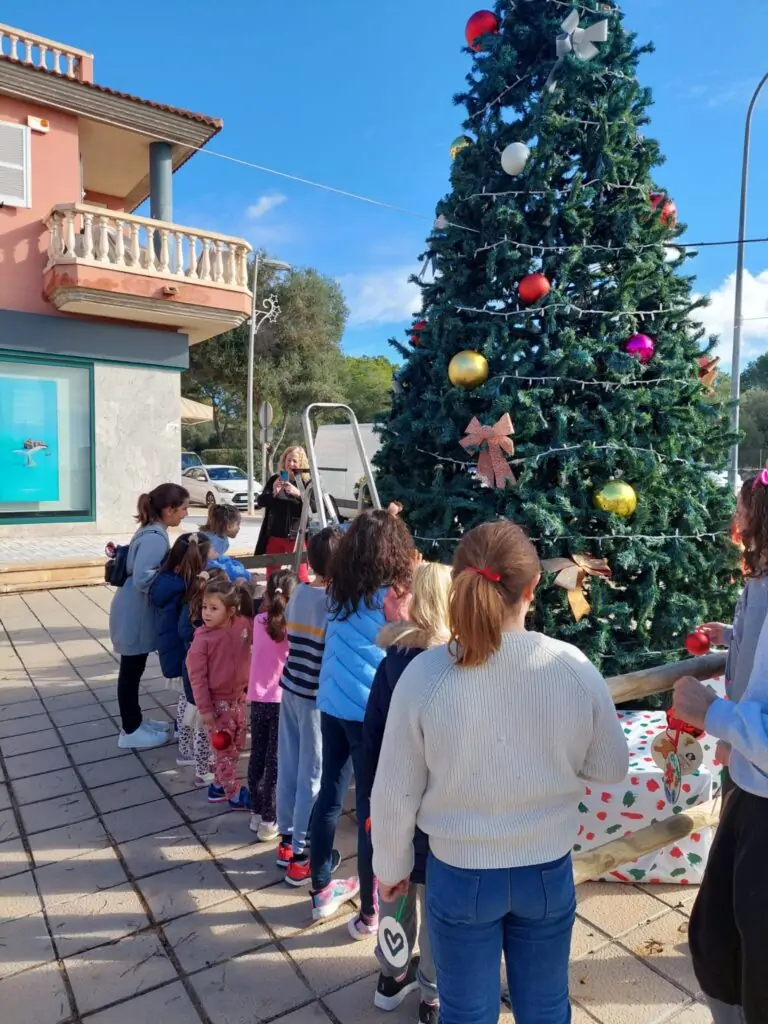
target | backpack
x=116, y=568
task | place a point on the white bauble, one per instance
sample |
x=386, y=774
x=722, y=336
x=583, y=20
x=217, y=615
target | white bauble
x=515, y=157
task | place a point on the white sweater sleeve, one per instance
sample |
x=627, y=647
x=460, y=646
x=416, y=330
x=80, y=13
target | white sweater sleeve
x=607, y=758
x=401, y=779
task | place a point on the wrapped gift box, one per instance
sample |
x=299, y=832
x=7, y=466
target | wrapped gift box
x=610, y=812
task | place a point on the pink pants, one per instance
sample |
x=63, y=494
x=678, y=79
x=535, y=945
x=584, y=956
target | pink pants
x=230, y=717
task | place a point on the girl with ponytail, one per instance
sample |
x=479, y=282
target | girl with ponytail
x=488, y=743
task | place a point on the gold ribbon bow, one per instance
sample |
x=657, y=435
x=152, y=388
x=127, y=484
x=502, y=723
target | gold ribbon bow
x=571, y=576
x=492, y=468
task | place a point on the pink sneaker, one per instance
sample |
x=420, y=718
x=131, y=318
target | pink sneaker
x=362, y=927
x=329, y=900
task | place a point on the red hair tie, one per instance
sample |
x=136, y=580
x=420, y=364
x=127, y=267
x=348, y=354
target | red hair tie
x=489, y=574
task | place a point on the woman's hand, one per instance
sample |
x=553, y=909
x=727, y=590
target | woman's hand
x=390, y=893
x=716, y=633
x=723, y=753
x=692, y=701
x=290, y=490
x=209, y=720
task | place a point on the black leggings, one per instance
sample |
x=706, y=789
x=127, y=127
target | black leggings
x=262, y=768
x=128, y=678
x=728, y=932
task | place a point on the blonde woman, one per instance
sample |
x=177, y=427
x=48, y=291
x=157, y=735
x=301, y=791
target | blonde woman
x=281, y=500
x=426, y=626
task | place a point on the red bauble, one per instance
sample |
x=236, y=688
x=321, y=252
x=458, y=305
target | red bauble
x=697, y=643
x=416, y=330
x=480, y=24
x=668, y=209
x=221, y=739
x=533, y=287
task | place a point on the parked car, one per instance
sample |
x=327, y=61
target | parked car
x=217, y=485
x=189, y=459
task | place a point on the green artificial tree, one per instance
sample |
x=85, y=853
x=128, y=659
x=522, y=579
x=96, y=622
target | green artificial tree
x=586, y=212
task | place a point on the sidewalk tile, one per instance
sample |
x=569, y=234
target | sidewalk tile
x=228, y=832
x=354, y=1005
x=96, y=919
x=663, y=944
x=97, y=750
x=98, y=730
x=8, y=828
x=51, y=814
x=154, y=817
x=616, y=909
x=184, y=890
x=23, y=709
x=162, y=851
x=13, y=858
x=251, y=867
x=167, y=1005
x=67, y=842
x=37, y=997
x=37, y=763
x=71, y=879
x=129, y=793
x=117, y=769
x=231, y=995
x=328, y=956
x=46, y=787
x=23, y=726
x=91, y=712
x=110, y=973
x=24, y=943
x=29, y=743
x=5, y=798
x=312, y=1014
x=214, y=934
x=18, y=897
x=695, y=1014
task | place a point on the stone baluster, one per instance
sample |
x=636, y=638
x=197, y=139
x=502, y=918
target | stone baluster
x=165, y=255
x=242, y=267
x=88, y=236
x=2, y=40
x=43, y=57
x=14, y=51
x=120, y=244
x=230, y=266
x=103, y=246
x=218, y=262
x=69, y=233
x=178, y=263
x=135, y=247
x=71, y=64
x=54, y=238
x=192, y=263
x=28, y=51
x=150, y=262
x=56, y=59
x=205, y=260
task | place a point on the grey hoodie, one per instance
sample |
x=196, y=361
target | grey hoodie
x=132, y=619
x=751, y=612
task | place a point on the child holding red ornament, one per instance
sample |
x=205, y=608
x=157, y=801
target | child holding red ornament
x=219, y=664
x=751, y=523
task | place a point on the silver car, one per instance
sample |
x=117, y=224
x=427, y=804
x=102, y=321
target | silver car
x=217, y=485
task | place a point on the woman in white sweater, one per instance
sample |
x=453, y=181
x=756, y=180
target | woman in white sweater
x=488, y=744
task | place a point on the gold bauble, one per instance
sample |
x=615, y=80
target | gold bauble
x=617, y=497
x=468, y=370
x=460, y=143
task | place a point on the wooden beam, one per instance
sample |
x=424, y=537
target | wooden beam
x=663, y=677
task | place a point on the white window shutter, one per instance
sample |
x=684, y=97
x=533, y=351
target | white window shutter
x=15, y=171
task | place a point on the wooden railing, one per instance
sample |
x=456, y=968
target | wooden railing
x=39, y=52
x=92, y=235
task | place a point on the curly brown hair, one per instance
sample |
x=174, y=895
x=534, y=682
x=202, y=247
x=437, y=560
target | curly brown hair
x=752, y=523
x=377, y=551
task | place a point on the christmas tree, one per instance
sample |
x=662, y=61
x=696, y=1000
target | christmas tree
x=553, y=294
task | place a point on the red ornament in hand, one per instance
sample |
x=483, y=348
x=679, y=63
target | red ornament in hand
x=533, y=287
x=697, y=643
x=481, y=23
x=221, y=739
x=416, y=330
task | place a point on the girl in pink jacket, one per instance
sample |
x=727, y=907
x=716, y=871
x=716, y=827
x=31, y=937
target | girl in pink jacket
x=218, y=664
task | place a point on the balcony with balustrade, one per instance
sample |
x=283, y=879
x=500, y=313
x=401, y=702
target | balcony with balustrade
x=125, y=267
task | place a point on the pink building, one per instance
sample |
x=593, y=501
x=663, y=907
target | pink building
x=98, y=307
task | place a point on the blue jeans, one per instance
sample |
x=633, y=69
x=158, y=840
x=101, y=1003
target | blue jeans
x=299, y=757
x=526, y=913
x=342, y=750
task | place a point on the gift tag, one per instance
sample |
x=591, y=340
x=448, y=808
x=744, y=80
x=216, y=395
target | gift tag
x=393, y=943
x=673, y=778
x=688, y=750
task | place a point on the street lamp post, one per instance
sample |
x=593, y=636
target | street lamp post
x=270, y=311
x=733, y=467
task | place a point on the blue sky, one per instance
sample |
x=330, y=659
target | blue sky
x=360, y=98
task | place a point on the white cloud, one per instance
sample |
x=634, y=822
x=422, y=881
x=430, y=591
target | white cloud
x=264, y=204
x=717, y=318
x=381, y=296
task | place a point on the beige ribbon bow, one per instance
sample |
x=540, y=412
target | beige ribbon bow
x=571, y=576
x=492, y=468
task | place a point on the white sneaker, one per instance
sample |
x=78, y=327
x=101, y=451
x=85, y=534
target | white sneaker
x=157, y=726
x=267, y=832
x=255, y=823
x=186, y=762
x=143, y=739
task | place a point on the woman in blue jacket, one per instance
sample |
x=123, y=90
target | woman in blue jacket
x=373, y=557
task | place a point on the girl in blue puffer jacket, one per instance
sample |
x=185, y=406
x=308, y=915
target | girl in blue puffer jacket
x=222, y=527
x=174, y=585
x=372, y=564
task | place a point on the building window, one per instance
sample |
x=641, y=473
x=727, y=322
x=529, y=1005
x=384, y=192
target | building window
x=46, y=458
x=15, y=170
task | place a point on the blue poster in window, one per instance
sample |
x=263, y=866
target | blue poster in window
x=29, y=435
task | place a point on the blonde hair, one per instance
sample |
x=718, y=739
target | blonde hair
x=301, y=455
x=493, y=566
x=428, y=612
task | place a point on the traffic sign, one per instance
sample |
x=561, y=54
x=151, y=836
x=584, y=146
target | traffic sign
x=266, y=435
x=266, y=415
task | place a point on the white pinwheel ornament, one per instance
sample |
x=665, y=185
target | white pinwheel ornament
x=578, y=41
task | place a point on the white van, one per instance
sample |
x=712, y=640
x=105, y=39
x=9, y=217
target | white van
x=337, y=459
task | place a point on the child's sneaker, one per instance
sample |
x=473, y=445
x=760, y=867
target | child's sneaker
x=362, y=927
x=429, y=1013
x=203, y=781
x=390, y=992
x=216, y=794
x=284, y=851
x=267, y=832
x=186, y=762
x=255, y=822
x=241, y=802
x=329, y=900
x=299, y=872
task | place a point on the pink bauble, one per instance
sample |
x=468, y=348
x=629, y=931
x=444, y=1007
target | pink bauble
x=640, y=346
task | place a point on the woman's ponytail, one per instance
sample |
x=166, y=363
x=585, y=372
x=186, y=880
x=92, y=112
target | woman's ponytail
x=144, y=510
x=476, y=616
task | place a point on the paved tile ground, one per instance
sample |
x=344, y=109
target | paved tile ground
x=125, y=897
x=55, y=548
